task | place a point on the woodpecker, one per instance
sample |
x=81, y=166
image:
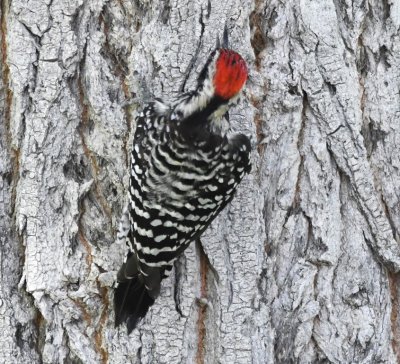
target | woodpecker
x=185, y=168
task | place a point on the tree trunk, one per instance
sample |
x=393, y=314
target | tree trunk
x=300, y=268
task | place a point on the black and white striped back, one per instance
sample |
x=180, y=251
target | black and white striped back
x=183, y=173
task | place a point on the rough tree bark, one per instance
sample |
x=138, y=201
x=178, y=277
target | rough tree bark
x=301, y=267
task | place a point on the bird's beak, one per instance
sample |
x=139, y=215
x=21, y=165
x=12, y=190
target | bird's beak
x=217, y=43
x=225, y=40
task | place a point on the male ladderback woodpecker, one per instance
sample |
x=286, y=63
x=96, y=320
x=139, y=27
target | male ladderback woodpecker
x=185, y=168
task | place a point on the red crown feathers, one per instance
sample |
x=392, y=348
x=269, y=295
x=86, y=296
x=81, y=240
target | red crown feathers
x=230, y=75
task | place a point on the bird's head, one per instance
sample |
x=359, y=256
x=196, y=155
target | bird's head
x=230, y=73
x=224, y=74
x=219, y=84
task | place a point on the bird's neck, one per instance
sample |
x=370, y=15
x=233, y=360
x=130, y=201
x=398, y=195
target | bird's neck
x=202, y=108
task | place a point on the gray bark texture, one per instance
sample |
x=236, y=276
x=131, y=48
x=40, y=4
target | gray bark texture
x=300, y=268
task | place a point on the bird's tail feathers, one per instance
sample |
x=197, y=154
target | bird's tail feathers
x=131, y=302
